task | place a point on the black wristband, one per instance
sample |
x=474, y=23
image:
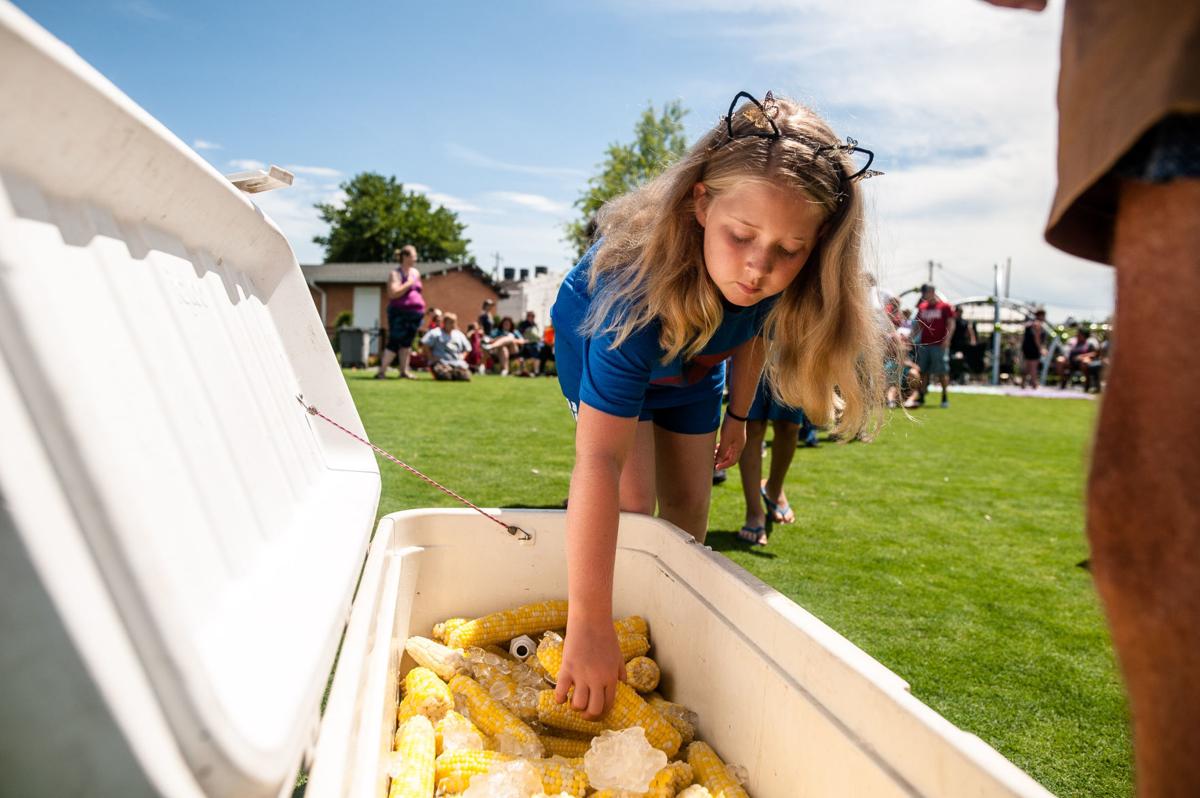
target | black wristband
x=730, y=414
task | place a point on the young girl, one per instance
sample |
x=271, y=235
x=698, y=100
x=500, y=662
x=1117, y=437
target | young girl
x=747, y=247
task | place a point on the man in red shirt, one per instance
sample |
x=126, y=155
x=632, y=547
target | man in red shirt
x=933, y=329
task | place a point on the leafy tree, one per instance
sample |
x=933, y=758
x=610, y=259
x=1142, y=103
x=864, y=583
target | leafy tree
x=379, y=216
x=658, y=141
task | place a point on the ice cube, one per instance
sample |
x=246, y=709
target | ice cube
x=507, y=743
x=501, y=690
x=740, y=773
x=459, y=734
x=695, y=791
x=623, y=760
x=515, y=779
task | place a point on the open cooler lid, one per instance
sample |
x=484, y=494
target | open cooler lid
x=198, y=534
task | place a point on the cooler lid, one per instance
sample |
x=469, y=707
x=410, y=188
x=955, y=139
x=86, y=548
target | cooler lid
x=155, y=330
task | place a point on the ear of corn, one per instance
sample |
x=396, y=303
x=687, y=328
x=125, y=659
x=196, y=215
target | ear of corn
x=679, y=716
x=633, y=625
x=642, y=674
x=454, y=732
x=560, y=775
x=632, y=645
x=442, y=660
x=695, y=791
x=561, y=716
x=508, y=732
x=427, y=694
x=413, y=761
x=712, y=772
x=505, y=625
x=454, y=770
x=628, y=708
x=670, y=780
x=442, y=630
x=564, y=746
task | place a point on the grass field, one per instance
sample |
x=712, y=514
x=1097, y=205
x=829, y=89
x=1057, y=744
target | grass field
x=947, y=549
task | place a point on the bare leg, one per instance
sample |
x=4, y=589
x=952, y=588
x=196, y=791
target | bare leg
x=683, y=476
x=503, y=360
x=783, y=449
x=1143, y=504
x=750, y=469
x=386, y=363
x=637, y=477
x=403, y=356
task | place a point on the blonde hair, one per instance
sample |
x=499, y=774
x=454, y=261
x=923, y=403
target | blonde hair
x=824, y=347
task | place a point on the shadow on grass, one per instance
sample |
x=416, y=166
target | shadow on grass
x=723, y=540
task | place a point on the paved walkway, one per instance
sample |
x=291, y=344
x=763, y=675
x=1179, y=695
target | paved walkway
x=1013, y=390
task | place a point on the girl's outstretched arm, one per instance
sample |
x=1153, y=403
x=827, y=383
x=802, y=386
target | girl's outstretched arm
x=592, y=662
x=745, y=372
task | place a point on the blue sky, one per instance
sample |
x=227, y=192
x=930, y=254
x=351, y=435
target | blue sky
x=501, y=111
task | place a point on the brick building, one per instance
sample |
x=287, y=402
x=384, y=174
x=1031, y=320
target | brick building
x=361, y=288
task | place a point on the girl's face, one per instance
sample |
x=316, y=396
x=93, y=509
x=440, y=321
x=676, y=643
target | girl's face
x=757, y=237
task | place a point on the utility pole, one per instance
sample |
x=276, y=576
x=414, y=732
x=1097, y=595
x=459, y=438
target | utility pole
x=932, y=266
x=496, y=270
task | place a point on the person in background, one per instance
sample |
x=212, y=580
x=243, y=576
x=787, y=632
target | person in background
x=1033, y=348
x=433, y=318
x=474, y=358
x=934, y=329
x=1081, y=349
x=962, y=342
x=547, y=355
x=766, y=502
x=487, y=319
x=531, y=345
x=405, y=306
x=446, y=349
x=505, y=344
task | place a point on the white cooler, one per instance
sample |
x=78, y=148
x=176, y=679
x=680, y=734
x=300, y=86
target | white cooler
x=181, y=545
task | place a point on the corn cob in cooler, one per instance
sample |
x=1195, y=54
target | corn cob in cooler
x=508, y=732
x=412, y=768
x=669, y=781
x=561, y=716
x=425, y=694
x=632, y=645
x=507, y=624
x=454, y=770
x=455, y=732
x=569, y=747
x=713, y=773
x=642, y=674
x=683, y=719
x=446, y=662
x=628, y=708
x=632, y=624
x=442, y=630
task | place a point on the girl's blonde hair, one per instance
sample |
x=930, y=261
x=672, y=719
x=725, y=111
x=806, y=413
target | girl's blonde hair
x=824, y=343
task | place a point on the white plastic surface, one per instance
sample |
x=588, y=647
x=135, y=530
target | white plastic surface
x=778, y=691
x=156, y=329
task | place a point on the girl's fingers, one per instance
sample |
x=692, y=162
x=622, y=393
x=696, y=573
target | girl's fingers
x=597, y=701
x=562, y=688
x=579, y=701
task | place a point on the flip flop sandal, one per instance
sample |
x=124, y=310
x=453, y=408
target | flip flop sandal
x=779, y=512
x=751, y=534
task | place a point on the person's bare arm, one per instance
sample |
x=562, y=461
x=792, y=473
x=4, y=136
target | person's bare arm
x=592, y=662
x=745, y=371
x=397, y=286
x=949, y=333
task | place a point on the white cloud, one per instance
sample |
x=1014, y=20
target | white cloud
x=532, y=201
x=142, y=9
x=202, y=144
x=470, y=156
x=246, y=164
x=315, y=171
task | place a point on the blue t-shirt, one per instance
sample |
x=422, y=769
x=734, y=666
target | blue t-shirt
x=624, y=381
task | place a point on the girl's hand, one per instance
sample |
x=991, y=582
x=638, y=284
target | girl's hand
x=733, y=440
x=592, y=664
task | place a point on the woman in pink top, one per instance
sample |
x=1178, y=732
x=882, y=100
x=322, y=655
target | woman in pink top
x=406, y=307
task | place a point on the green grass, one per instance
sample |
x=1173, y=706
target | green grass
x=947, y=549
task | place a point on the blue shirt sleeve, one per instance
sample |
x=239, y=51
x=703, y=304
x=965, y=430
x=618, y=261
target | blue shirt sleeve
x=615, y=380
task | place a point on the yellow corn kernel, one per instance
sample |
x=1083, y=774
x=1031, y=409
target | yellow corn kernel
x=508, y=732
x=670, y=780
x=455, y=769
x=560, y=775
x=633, y=625
x=442, y=630
x=679, y=716
x=564, y=746
x=505, y=625
x=455, y=732
x=442, y=660
x=427, y=694
x=642, y=674
x=561, y=716
x=413, y=769
x=628, y=708
x=712, y=772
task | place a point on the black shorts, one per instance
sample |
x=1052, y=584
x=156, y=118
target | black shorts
x=402, y=327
